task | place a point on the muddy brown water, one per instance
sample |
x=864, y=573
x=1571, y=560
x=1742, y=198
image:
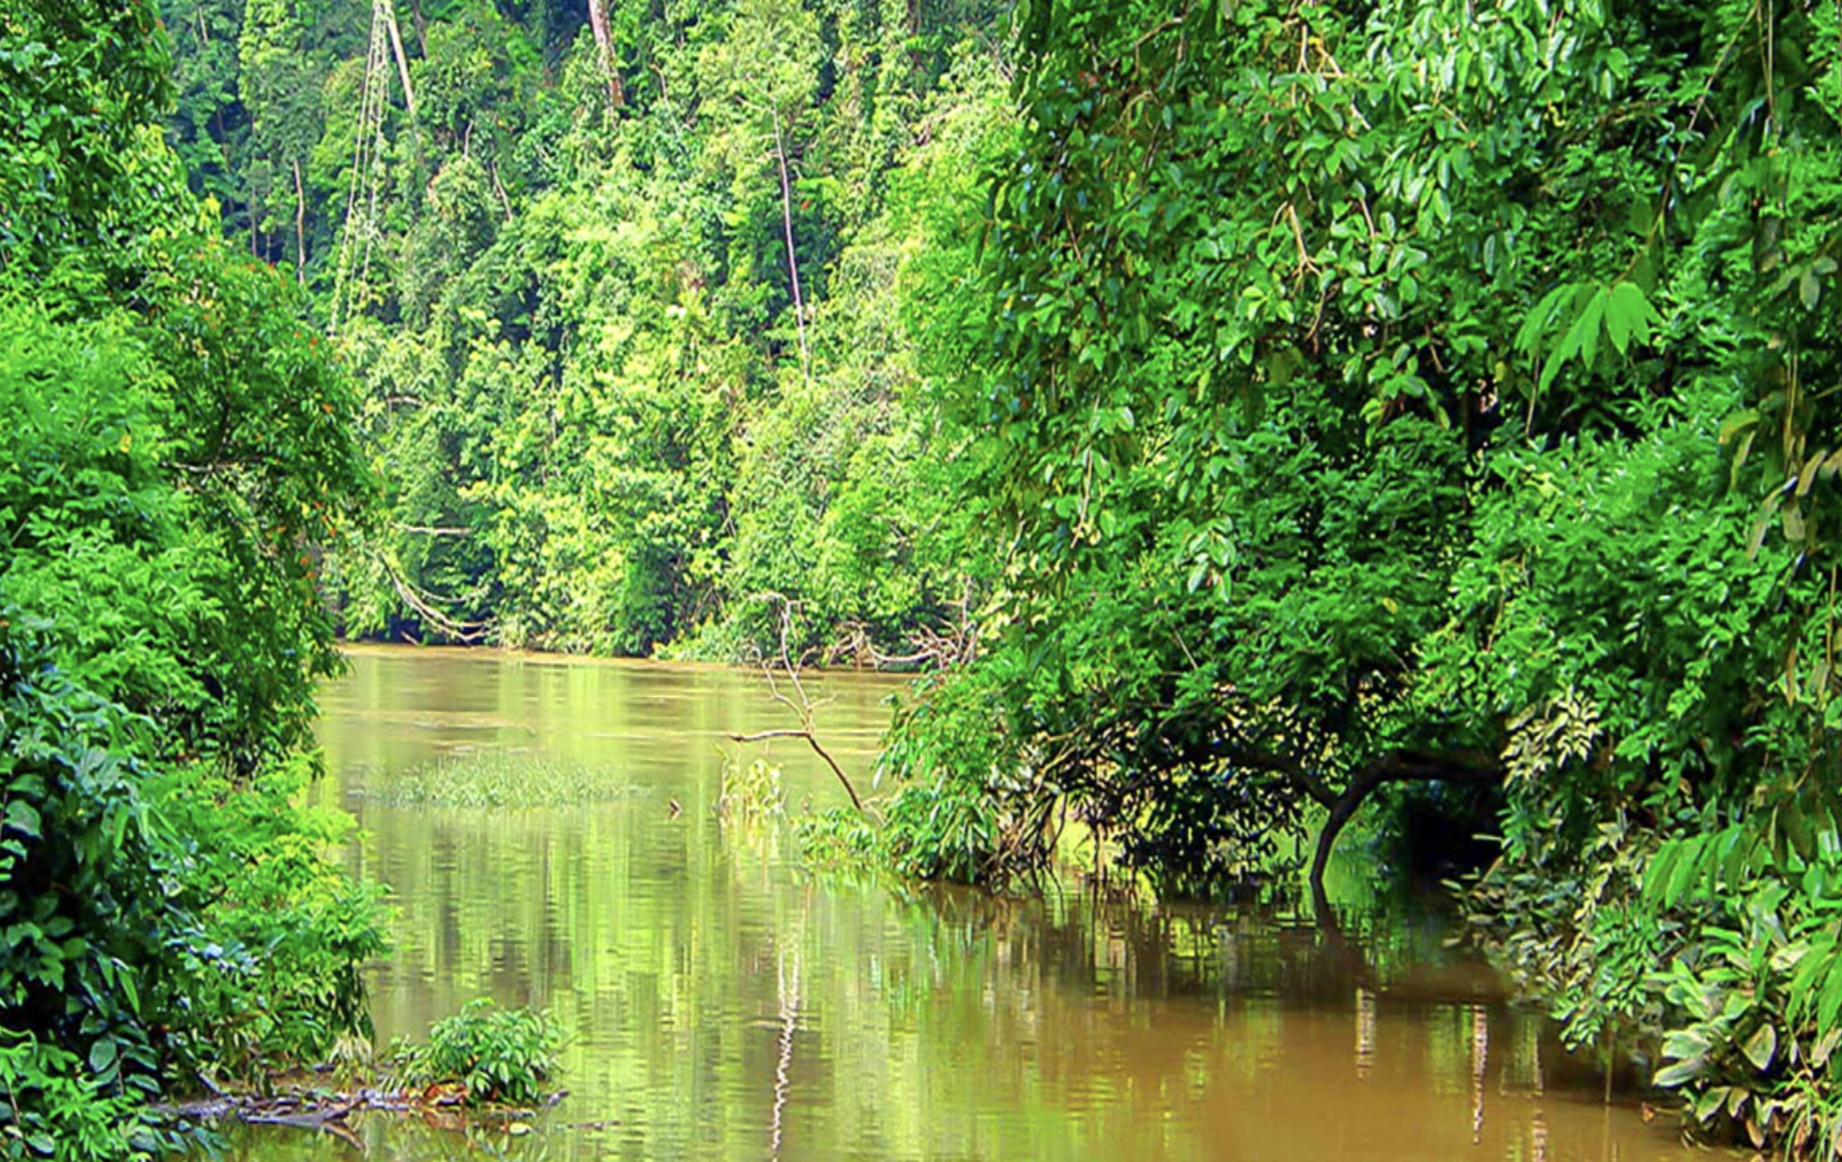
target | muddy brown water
x=724, y=1004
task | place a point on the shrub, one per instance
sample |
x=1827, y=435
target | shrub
x=499, y=1055
x=753, y=791
x=51, y=1108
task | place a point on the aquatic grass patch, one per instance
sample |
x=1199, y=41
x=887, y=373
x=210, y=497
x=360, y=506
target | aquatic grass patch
x=489, y=779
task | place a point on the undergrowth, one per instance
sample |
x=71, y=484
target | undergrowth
x=499, y=1056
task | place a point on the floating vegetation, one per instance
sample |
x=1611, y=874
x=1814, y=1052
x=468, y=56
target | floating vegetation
x=485, y=779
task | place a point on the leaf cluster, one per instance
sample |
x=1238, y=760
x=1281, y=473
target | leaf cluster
x=500, y=1056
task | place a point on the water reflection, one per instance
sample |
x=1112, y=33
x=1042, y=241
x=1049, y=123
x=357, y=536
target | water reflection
x=725, y=1006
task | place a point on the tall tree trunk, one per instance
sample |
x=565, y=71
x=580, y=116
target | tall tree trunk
x=300, y=225
x=786, y=219
x=388, y=7
x=604, y=45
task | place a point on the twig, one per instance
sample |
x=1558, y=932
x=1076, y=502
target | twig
x=813, y=742
x=803, y=707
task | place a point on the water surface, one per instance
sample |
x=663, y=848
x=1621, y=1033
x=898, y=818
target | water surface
x=725, y=1005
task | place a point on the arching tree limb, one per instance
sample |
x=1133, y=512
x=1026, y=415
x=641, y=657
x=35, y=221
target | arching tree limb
x=813, y=742
x=1406, y=767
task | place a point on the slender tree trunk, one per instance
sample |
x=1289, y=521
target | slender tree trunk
x=1341, y=812
x=300, y=225
x=499, y=188
x=786, y=218
x=388, y=8
x=604, y=45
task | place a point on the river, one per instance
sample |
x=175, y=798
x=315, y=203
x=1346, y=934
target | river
x=722, y=1003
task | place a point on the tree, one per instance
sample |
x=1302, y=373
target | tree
x=1248, y=394
x=280, y=87
x=761, y=104
x=177, y=450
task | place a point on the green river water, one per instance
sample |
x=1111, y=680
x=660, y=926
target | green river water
x=723, y=1004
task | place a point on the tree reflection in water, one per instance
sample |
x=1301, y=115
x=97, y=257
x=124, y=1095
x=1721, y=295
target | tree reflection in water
x=727, y=1005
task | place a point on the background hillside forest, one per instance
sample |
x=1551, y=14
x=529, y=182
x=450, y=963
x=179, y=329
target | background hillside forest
x=617, y=282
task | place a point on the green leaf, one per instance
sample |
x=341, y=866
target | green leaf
x=1587, y=325
x=1629, y=315
x=1762, y=522
x=1794, y=529
x=1685, y=1043
x=1739, y=457
x=1581, y=338
x=1680, y=1073
x=23, y=817
x=1736, y=423
x=1829, y=1003
x=1808, y=475
x=1656, y=878
x=1686, y=877
x=1528, y=336
x=102, y=1055
x=124, y=979
x=1761, y=1047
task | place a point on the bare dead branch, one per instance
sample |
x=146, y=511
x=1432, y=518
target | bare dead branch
x=817, y=748
x=803, y=708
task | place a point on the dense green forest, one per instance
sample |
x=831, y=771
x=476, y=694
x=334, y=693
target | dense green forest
x=173, y=447
x=1246, y=413
x=617, y=281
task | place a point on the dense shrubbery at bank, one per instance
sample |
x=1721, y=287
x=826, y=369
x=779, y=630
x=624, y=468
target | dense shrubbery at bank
x=175, y=447
x=1429, y=396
